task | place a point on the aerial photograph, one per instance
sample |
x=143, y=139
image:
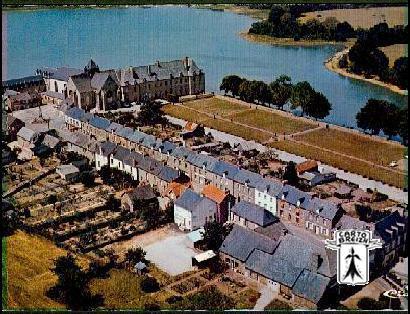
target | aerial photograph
x=169, y=157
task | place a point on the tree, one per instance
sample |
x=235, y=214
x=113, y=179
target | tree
x=152, y=215
x=149, y=284
x=281, y=90
x=290, y=174
x=277, y=304
x=375, y=115
x=403, y=124
x=367, y=59
x=72, y=285
x=320, y=106
x=231, y=84
x=261, y=91
x=135, y=255
x=302, y=96
x=151, y=114
x=400, y=75
x=210, y=298
x=367, y=303
x=214, y=235
x=10, y=221
x=246, y=91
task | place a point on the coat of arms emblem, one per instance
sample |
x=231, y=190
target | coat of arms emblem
x=353, y=248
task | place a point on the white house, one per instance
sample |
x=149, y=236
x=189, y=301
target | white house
x=267, y=193
x=192, y=210
x=103, y=153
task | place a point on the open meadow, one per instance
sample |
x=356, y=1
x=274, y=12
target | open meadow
x=363, y=17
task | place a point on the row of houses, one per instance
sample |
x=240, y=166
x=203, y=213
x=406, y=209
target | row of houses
x=260, y=246
x=284, y=201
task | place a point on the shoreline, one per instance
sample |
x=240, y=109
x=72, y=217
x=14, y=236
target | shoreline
x=332, y=65
x=274, y=41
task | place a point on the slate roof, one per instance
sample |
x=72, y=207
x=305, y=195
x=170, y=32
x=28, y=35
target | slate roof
x=27, y=134
x=182, y=152
x=167, y=147
x=144, y=192
x=323, y=208
x=222, y=167
x=254, y=213
x=311, y=285
x=274, y=231
x=241, y=241
x=292, y=195
x=252, y=179
x=149, y=141
x=67, y=169
x=75, y=113
x=124, y=132
x=271, y=187
x=82, y=83
x=107, y=148
x=386, y=223
x=100, y=123
x=50, y=141
x=193, y=202
x=22, y=80
x=137, y=136
x=114, y=127
x=160, y=71
x=62, y=73
x=168, y=174
x=131, y=158
x=99, y=79
x=121, y=153
x=86, y=117
x=201, y=160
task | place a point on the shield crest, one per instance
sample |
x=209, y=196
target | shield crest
x=353, y=248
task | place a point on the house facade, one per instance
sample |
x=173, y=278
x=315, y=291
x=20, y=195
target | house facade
x=192, y=210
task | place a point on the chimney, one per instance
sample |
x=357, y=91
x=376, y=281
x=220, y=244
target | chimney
x=284, y=231
x=157, y=63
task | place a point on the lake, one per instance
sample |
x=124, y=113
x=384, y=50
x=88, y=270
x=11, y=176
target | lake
x=119, y=37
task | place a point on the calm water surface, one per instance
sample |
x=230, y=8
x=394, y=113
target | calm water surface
x=119, y=37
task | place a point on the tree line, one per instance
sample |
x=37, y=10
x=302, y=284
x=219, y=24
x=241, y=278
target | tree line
x=283, y=23
x=380, y=115
x=365, y=57
x=278, y=93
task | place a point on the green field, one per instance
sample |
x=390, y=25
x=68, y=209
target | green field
x=272, y=121
x=357, y=145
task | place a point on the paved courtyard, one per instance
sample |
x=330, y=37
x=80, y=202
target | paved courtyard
x=172, y=254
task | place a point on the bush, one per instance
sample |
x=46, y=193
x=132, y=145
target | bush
x=367, y=304
x=173, y=299
x=149, y=285
x=276, y=304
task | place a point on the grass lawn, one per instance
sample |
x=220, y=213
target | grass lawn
x=29, y=259
x=238, y=130
x=183, y=113
x=216, y=106
x=272, y=121
x=381, y=153
x=345, y=163
x=121, y=290
x=362, y=17
x=393, y=52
